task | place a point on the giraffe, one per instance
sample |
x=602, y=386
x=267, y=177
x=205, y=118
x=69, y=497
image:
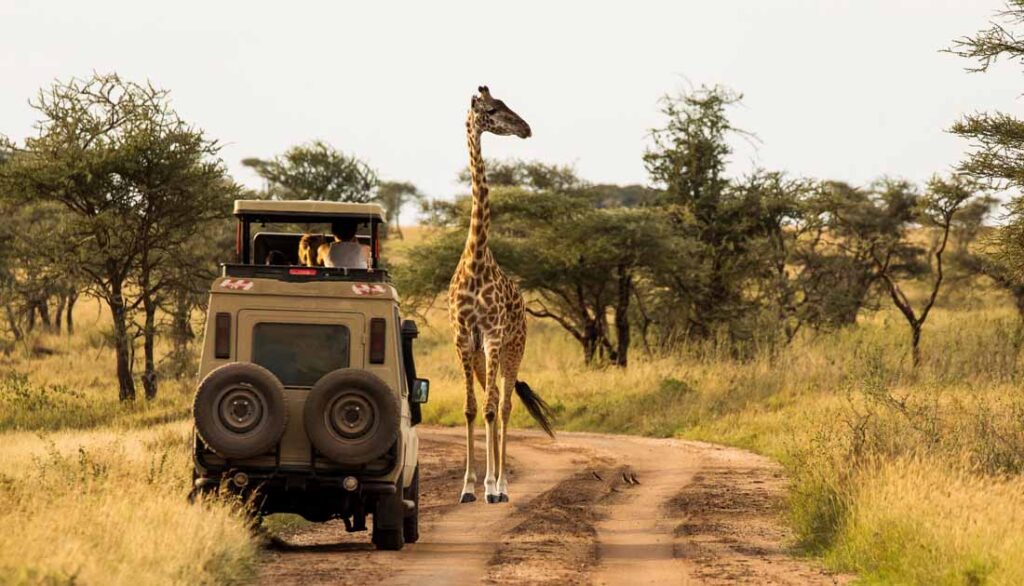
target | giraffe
x=488, y=314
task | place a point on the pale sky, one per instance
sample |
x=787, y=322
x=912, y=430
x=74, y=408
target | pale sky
x=848, y=90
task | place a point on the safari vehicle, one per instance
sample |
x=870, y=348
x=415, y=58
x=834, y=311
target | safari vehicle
x=309, y=397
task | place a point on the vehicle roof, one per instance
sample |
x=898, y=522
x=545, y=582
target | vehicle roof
x=308, y=209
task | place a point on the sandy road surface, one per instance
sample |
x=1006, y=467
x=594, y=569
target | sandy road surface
x=696, y=514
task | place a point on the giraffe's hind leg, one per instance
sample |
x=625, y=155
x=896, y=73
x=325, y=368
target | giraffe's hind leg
x=509, y=372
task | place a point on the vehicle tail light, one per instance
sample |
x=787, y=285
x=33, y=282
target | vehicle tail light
x=302, y=272
x=222, y=336
x=378, y=333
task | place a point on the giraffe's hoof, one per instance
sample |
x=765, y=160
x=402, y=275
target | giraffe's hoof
x=492, y=498
x=502, y=498
x=467, y=497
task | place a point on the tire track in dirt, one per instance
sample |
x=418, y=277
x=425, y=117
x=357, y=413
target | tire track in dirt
x=732, y=531
x=698, y=513
x=457, y=550
x=636, y=542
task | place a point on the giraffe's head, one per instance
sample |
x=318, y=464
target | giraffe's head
x=492, y=115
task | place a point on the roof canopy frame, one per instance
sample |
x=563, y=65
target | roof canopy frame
x=306, y=210
x=262, y=211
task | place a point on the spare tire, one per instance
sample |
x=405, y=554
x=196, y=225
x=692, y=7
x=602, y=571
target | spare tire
x=351, y=416
x=240, y=410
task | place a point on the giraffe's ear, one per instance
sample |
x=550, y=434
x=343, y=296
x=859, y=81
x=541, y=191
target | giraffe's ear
x=481, y=89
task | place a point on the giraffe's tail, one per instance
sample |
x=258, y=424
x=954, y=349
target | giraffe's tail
x=537, y=407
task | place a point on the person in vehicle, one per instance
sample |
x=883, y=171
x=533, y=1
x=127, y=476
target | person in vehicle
x=345, y=252
x=313, y=249
x=276, y=257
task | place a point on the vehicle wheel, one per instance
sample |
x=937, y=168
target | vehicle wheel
x=411, y=522
x=240, y=410
x=388, y=531
x=351, y=416
x=388, y=539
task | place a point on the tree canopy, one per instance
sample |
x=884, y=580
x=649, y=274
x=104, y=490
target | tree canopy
x=318, y=171
x=137, y=183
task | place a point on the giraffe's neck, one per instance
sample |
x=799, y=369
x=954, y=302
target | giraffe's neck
x=480, y=218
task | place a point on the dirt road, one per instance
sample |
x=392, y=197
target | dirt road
x=586, y=509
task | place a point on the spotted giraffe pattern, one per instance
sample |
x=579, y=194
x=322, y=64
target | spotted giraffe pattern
x=486, y=309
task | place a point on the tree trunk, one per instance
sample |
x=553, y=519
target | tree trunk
x=72, y=298
x=181, y=333
x=122, y=349
x=30, y=319
x=59, y=313
x=589, y=350
x=622, y=318
x=398, y=228
x=915, y=345
x=591, y=343
x=148, y=337
x=44, y=314
x=12, y=322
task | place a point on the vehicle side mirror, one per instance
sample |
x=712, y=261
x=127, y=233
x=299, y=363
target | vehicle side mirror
x=420, y=391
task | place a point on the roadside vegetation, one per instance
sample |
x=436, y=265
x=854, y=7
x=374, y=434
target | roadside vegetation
x=899, y=474
x=93, y=489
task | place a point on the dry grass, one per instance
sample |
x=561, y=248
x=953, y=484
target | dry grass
x=920, y=522
x=93, y=491
x=108, y=507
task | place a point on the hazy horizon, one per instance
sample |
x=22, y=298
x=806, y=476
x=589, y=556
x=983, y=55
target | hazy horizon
x=839, y=90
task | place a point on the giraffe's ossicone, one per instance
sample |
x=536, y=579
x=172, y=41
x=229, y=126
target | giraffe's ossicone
x=488, y=314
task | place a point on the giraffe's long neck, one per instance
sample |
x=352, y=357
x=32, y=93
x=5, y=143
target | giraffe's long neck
x=480, y=219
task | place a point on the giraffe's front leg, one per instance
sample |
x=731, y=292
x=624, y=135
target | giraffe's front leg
x=492, y=350
x=469, y=483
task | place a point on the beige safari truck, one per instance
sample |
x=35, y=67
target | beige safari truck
x=308, y=399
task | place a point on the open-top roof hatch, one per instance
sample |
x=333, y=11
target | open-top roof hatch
x=249, y=211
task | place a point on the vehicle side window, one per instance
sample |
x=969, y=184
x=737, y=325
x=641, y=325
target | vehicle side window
x=299, y=354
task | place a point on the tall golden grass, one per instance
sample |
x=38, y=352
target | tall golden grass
x=93, y=491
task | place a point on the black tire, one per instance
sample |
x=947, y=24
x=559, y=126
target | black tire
x=351, y=416
x=388, y=532
x=239, y=410
x=411, y=522
x=388, y=539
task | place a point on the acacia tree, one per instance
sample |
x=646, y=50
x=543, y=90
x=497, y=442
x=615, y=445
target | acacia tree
x=997, y=143
x=317, y=171
x=688, y=162
x=137, y=182
x=787, y=234
x=395, y=195
x=936, y=209
x=839, y=277
x=188, y=274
